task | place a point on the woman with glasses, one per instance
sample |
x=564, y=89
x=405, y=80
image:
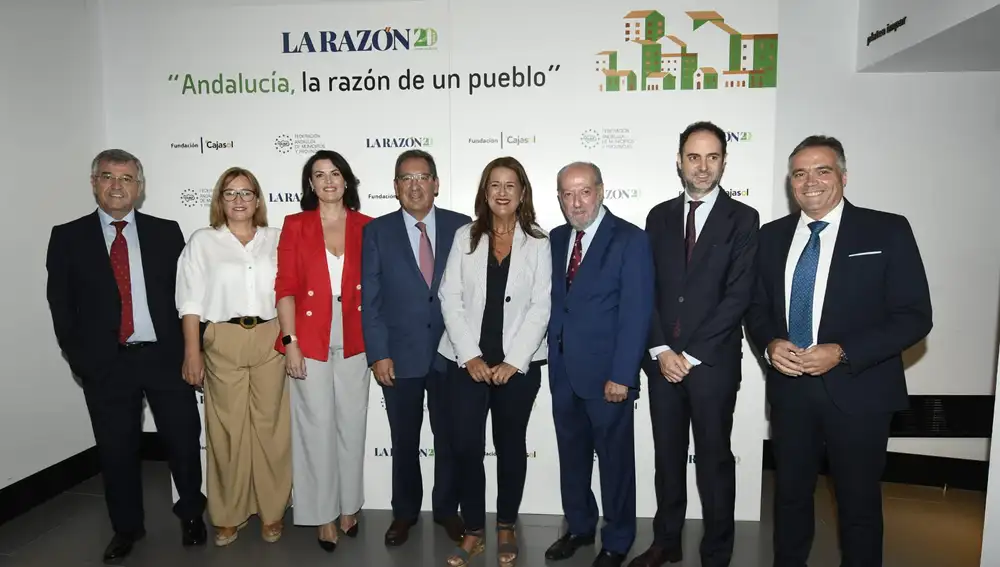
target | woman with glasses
x=495, y=301
x=318, y=289
x=225, y=296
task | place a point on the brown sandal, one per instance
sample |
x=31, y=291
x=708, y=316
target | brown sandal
x=507, y=550
x=271, y=532
x=461, y=557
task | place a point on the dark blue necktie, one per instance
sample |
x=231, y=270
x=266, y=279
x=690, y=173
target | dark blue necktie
x=800, y=307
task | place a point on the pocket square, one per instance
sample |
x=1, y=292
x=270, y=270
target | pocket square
x=865, y=253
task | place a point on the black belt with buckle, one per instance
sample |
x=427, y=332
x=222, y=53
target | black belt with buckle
x=135, y=345
x=247, y=322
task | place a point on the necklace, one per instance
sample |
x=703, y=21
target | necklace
x=504, y=232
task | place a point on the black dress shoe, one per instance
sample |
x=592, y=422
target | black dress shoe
x=193, y=532
x=454, y=526
x=608, y=559
x=398, y=532
x=657, y=555
x=121, y=546
x=566, y=546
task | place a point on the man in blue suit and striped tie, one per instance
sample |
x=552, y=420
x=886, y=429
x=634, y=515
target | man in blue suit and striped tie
x=602, y=304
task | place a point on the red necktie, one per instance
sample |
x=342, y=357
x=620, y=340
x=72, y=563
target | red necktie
x=575, y=258
x=119, y=264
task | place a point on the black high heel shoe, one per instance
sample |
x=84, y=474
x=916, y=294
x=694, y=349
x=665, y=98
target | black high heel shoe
x=328, y=546
x=353, y=532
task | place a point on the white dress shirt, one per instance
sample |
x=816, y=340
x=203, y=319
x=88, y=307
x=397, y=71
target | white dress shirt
x=219, y=279
x=827, y=240
x=430, y=222
x=141, y=319
x=588, y=237
x=700, y=216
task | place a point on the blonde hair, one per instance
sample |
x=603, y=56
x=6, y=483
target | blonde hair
x=217, y=215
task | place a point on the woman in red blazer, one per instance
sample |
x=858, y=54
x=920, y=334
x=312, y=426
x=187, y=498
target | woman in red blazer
x=318, y=294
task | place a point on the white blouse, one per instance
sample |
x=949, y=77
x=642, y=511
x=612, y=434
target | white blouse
x=219, y=279
x=336, y=266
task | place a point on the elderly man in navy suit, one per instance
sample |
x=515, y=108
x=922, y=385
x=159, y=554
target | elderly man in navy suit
x=404, y=254
x=602, y=301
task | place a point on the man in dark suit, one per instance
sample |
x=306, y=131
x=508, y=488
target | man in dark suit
x=602, y=297
x=111, y=294
x=403, y=257
x=841, y=292
x=704, y=246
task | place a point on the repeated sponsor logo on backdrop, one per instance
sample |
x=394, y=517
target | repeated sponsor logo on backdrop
x=299, y=144
x=503, y=140
x=202, y=144
x=399, y=142
x=607, y=139
x=200, y=197
x=353, y=40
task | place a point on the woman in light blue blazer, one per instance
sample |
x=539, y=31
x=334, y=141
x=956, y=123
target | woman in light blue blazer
x=495, y=297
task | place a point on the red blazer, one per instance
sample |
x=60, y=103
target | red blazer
x=303, y=274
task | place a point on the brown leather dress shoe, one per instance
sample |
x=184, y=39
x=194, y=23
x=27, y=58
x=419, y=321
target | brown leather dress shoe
x=398, y=532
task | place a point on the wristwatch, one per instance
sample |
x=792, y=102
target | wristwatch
x=843, y=355
x=287, y=339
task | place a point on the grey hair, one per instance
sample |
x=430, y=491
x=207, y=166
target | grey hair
x=117, y=156
x=820, y=141
x=596, y=171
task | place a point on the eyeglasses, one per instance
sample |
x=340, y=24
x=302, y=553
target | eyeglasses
x=407, y=178
x=245, y=194
x=124, y=179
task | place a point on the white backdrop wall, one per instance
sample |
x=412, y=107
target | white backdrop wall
x=186, y=139
x=920, y=145
x=52, y=124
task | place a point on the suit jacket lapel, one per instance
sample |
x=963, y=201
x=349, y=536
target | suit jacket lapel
x=838, y=267
x=558, y=240
x=673, y=231
x=785, y=244
x=717, y=227
x=596, y=249
x=403, y=234
x=518, y=250
x=441, y=248
x=96, y=246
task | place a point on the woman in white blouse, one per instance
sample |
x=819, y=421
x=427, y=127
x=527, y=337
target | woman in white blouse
x=225, y=295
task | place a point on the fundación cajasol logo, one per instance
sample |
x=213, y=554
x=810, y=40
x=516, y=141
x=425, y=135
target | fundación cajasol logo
x=308, y=143
x=201, y=144
x=503, y=140
x=654, y=60
x=350, y=40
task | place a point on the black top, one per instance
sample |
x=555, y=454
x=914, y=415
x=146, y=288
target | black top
x=491, y=333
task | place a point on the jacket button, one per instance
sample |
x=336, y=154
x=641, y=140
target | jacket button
x=338, y=299
x=358, y=287
x=310, y=293
x=309, y=313
x=680, y=299
x=359, y=308
x=430, y=299
x=508, y=299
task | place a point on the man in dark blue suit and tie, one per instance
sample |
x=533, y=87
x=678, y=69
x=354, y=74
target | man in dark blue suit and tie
x=602, y=303
x=403, y=257
x=841, y=292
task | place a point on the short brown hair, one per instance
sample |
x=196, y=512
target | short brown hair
x=217, y=216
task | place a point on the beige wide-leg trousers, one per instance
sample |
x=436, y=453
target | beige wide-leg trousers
x=247, y=424
x=329, y=421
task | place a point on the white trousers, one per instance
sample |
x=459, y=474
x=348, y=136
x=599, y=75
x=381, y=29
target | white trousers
x=329, y=419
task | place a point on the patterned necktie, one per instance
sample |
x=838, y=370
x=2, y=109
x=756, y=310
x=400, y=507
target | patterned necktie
x=800, y=304
x=689, y=233
x=426, y=255
x=119, y=264
x=575, y=258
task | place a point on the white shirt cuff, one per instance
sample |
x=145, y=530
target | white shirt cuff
x=655, y=351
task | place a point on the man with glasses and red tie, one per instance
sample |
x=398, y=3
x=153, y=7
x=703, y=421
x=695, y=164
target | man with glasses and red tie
x=110, y=289
x=404, y=254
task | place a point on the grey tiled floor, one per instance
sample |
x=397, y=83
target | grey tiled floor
x=925, y=527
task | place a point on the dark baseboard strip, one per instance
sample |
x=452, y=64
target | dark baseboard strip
x=920, y=470
x=46, y=484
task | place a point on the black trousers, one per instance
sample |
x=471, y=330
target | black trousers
x=114, y=401
x=511, y=406
x=805, y=426
x=404, y=406
x=703, y=404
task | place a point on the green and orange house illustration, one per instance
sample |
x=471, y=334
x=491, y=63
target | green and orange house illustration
x=653, y=60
